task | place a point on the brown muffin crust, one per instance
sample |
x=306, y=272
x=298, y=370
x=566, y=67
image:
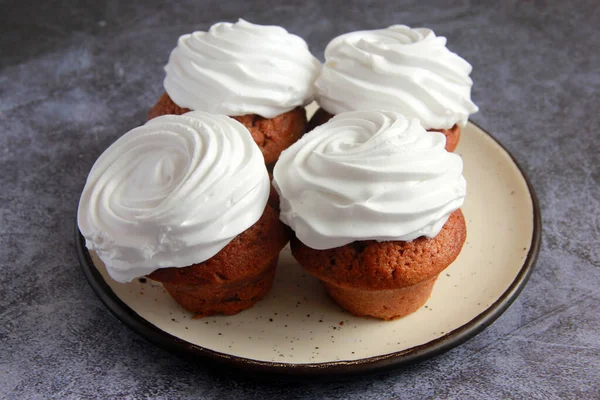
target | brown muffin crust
x=225, y=299
x=273, y=135
x=165, y=106
x=452, y=135
x=242, y=258
x=236, y=277
x=273, y=195
x=382, y=304
x=372, y=265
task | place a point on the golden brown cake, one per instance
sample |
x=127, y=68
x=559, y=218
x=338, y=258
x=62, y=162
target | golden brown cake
x=236, y=277
x=385, y=280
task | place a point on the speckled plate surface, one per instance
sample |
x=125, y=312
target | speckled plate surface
x=298, y=330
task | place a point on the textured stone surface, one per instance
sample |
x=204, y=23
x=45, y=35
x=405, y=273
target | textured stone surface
x=76, y=75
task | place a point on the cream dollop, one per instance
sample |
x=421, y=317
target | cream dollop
x=400, y=69
x=368, y=175
x=172, y=193
x=241, y=68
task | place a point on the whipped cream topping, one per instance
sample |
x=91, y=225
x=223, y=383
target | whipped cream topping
x=400, y=69
x=172, y=193
x=368, y=175
x=241, y=68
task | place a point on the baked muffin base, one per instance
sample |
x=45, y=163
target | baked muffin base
x=384, y=280
x=383, y=304
x=452, y=135
x=229, y=299
x=236, y=277
x=272, y=135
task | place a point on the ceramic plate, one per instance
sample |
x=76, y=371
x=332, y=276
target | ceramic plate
x=298, y=330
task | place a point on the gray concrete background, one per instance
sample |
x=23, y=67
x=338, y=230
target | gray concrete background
x=74, y=76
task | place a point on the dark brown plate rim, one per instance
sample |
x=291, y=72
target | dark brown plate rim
x=326, y=369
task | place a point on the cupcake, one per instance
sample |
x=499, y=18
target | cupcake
x=374, y=201
x=399, y=69
x=261, y=76
x=184, y=201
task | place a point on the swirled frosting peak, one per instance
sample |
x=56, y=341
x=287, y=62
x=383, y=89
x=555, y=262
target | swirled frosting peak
x=172, y=193
x=368, y=175
x=241, y=68
x=400, y=69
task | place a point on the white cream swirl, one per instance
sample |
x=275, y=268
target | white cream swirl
x=368, y=175
x=241, y=68
x=172, y=193
x=400, y=69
